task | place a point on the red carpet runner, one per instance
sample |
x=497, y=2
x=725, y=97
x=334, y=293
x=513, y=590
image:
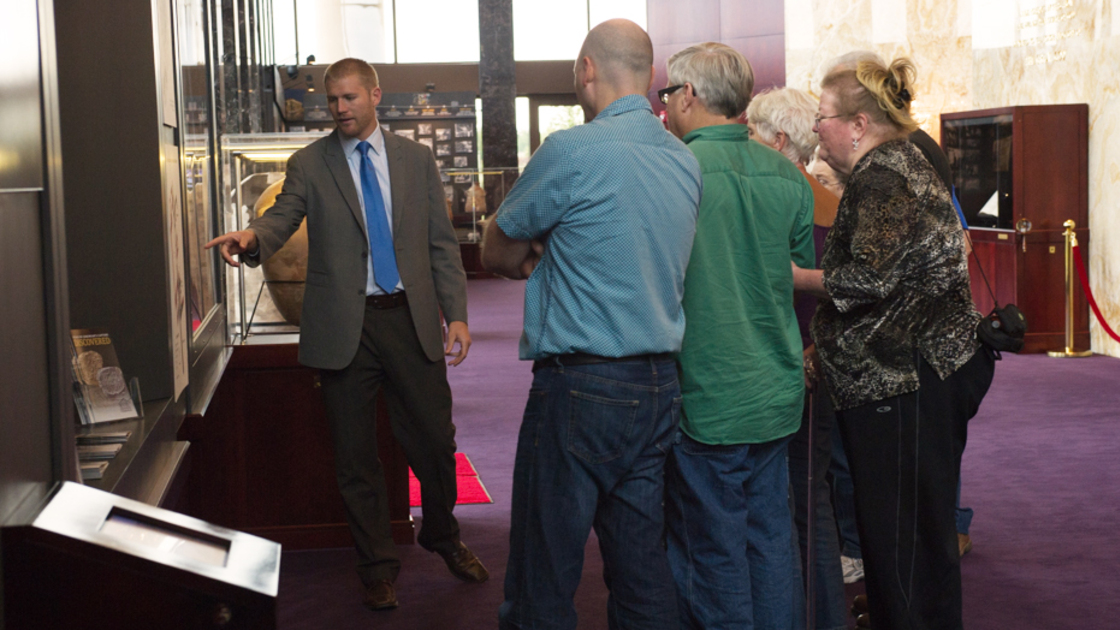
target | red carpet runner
x=471, y=489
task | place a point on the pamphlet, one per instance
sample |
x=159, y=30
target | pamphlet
x=101, y=383
x=104, y=437
x=94, y=452
x=93, y=470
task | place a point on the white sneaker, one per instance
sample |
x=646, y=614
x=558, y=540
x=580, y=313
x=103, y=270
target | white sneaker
x=853, y=569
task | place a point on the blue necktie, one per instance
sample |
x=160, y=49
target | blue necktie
x=385, y=272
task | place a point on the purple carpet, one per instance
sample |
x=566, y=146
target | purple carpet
x=1042, y=471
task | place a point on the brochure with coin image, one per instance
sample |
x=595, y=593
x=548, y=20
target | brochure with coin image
x=101, y=381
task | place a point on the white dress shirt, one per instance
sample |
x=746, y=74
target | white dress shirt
x=380, y=161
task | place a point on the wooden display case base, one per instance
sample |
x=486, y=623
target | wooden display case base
x=472, y=260
x=262, y=460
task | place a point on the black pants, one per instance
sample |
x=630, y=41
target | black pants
x=419, y=402
x=904, y=454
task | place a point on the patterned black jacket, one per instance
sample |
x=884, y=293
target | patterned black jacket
x=895, y=268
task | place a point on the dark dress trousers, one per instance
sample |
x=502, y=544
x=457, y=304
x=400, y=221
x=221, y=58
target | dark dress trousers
x=358, y=347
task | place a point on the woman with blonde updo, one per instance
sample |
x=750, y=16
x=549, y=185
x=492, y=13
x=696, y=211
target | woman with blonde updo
x=896, y=337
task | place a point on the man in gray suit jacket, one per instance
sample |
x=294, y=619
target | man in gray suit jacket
x=383, y=262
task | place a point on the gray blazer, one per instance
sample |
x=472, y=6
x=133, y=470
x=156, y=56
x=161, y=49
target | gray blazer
x=319, y=186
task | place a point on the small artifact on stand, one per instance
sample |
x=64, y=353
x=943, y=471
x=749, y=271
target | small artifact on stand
x=286, y=271
x=476, y=206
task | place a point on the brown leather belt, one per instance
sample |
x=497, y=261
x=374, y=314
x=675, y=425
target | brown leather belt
x=393, y=300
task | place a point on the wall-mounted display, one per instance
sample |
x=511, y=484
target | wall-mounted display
x=176, y=269
x=443, y=121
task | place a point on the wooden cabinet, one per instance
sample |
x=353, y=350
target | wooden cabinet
x=1030, y=166
x=261, y=458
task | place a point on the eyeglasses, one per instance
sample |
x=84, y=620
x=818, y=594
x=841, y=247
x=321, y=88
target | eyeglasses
x=818, y=118
x=663, y=94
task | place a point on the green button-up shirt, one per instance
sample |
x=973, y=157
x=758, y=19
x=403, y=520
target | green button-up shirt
x=741, y=355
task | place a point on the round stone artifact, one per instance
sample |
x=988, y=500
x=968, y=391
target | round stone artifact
x=286, y=271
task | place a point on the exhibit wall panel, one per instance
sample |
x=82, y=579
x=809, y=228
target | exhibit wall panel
x=979, y=55
x=756, y=29
x=111, y=143
x=25, y=429
x=36, y=410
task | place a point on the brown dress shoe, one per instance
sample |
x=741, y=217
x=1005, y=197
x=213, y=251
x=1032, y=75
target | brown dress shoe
x=859, y=605
x=863, y=621
x=380, y=595
x=964, y=542
x=464, y=564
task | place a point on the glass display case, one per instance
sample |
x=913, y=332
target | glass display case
x=256, y=162
x=1020, y=173
x=979, y=153
x=253, y=163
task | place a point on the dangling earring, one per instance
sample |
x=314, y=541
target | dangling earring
x=855, y=143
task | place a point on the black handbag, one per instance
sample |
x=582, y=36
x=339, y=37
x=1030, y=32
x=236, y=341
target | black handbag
x=1004, y=328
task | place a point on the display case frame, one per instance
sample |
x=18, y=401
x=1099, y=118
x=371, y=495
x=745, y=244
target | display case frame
x=1049, y=183
x=255, y=161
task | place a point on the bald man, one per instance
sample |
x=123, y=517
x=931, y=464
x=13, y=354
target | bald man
x=601, y=223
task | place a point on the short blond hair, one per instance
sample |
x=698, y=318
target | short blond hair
x=351, y=67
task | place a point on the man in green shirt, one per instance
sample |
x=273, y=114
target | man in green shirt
x=730, y=531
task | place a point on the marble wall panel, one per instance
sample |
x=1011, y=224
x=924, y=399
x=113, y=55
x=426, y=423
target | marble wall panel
x=1066, y=51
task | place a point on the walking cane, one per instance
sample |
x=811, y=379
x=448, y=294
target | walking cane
x=810, y=526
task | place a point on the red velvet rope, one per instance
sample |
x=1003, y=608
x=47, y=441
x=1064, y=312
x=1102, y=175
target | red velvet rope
x=1089, y=292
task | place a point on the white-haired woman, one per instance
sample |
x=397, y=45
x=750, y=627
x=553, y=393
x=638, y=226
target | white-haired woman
x=897, y=342
x=783, y=120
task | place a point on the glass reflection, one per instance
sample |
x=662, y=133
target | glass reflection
x=198, y=153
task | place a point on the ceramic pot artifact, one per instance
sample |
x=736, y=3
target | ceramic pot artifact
x=286, y=271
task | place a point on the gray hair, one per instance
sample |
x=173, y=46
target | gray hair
x=721, y=77
x=790, y=111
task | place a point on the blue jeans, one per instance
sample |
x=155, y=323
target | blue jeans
x=963, y=514
x=730, y=535
x=843, y=498
x=591, y=453
x=826, y=576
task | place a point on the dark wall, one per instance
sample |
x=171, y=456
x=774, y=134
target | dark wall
x=756, y=29
x=32, y=313
x=112, y=138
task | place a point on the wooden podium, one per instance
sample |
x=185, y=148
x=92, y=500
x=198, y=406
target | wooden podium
x=262, y=461
x=1031, y=165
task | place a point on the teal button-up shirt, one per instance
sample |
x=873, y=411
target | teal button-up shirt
x=615, y=202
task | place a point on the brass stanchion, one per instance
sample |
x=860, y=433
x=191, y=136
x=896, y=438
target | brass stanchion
x=1071, y=242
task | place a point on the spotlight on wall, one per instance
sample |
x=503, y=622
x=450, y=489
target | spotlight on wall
x=292, y=71
x=310, y=59
x=430, y=87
